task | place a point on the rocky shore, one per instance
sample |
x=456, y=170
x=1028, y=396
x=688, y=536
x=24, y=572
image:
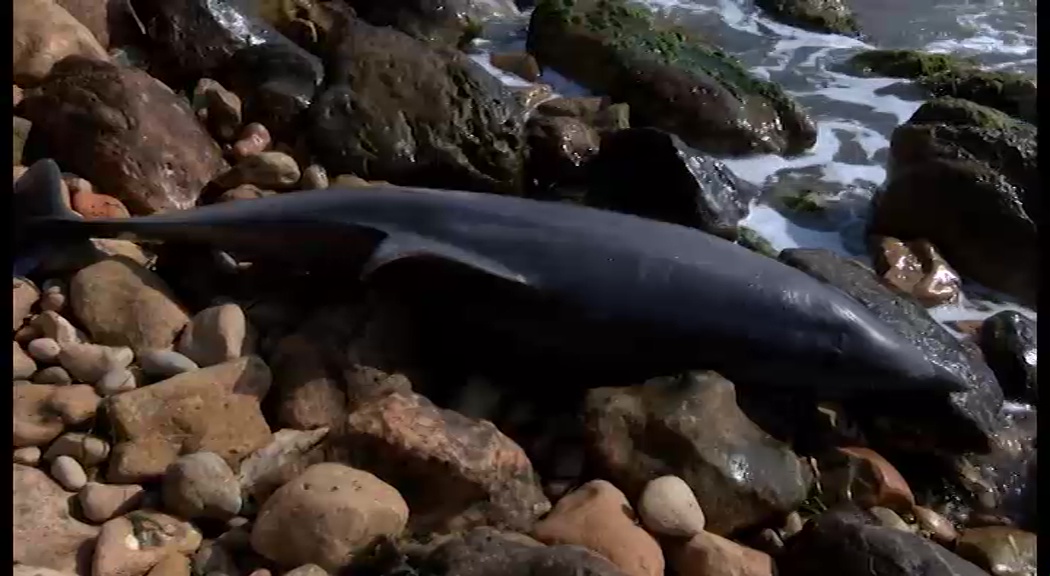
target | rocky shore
x=176, y=413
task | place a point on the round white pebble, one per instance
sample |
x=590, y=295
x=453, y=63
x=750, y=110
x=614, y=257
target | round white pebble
x=69, y=473
x=668, y=506
x=44, y=350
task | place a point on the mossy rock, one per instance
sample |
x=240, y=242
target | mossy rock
x=830, y=16
x=753, y=240
x=946, y=75
x=670, y=79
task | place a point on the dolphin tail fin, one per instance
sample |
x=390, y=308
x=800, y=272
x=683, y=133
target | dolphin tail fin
x=38, y=202
x=400, y=247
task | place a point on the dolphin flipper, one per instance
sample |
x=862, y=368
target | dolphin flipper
x=400, y=246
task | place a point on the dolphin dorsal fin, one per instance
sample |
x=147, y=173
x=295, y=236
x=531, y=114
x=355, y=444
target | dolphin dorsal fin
x=400, y=246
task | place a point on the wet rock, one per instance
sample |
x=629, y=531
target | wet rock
x=214, y=409
x=670, y=80
x=520, y=64
x=163, y=364
x=215, y=335
x=265, y=170
x=20, y=134
x=709, y=554
x=946, y=75
x=958, y=422
x=598, y=517
x=668, y=506
x=45, y=534
x=828, y=16
x=602, y=113
x=93, y=206
x=44, y=33
x=22, y=364
x=397, y=109
x=86, y=449
x=651, y=173
x=25, y=295
x=861, y=475
x=453, y=471
x=455, y=22
x=100, y=502
x=28, y=456
x=326, y=516
x=965, y=179
x=134, y=543
x=531, y=95
x=315, y=177
x=889, y=519
x=53, y=325
x=1000, y=550
x=254, y=139
x=712, y=440
x=44, y=350
x=935, y=526
x=143, y=145
x=90, y=362
x=849, y=542
x=124, y=304
x=68, y=473
x=289, y=454
x=488, y=552
x=916, y=268
x=42, y=411
x=559, y=148
x=218, y=108
x=1008, y=341
x=201, y=485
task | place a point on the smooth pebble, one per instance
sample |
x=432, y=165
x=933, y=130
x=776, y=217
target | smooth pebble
x=29, y=456
x=68, y=473
x=163, y=364
x=668, y=506
x=53, y=375
x=44, y=350
x=115, y=382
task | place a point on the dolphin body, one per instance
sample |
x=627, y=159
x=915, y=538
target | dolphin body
x=618, y=293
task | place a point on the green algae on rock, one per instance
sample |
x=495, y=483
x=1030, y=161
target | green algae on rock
x=670, y=80
x=831, y=16
x=947, y=75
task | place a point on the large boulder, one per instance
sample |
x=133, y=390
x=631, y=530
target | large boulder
x=453, y=21
x=124, y=131
x=956, y=422
x=399, y=110
x=965, y=177
x=43, y=33
x=671, y=80
x=832, y=16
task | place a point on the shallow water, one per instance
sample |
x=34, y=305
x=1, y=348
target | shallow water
x=855, y=116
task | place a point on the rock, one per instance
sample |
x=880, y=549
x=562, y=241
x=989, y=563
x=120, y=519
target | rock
x=532, y=95
x=265, y=169
x=848, y=542
x=44, y=33
x=946, y=75
x=21, y=128
x=559, y=149
x=670, y=80
x=488, y=552
x=598, y=517
x=17, y=95
x=326, y=516
x=213, y=558
x=115, y=382
x=349, y=181
x=143, y=145
x=651, y=173
x=1008, y=341
x=397, y=109
x=1000, y=550
x=107, y=21
x=307, y=570
x=862, y=476
x=22, y=364
x=25, y=295
x=308, y=395
x=253, y=140
x=172, y=565
x=23, y=570
x=54, y=326
x=45, y=534
x=28, y=456
x=712, y=440
x=668, y=506
x=709, y=554
x=218, y=108
x=214, y=409
x=201, y=485
x=315, y=177
x=962, y=421
x=163, y=364
x=520, y=64
x=455, y=22
x=453, y=471
x=889, y=519
x=44, y=350
x=90, y=362
x=965, y=179
x=124, y=304
x=54, y=296
x=93, y=206
x=86, y=449
x=916, y=268
x=100, y=502
x=68, y=473
x=52, y=375
x=134, y=543
x=246, y=192
x=80, y=255
x=280, y=462
x=42, y=411
x=935, y=526
x=828, y=16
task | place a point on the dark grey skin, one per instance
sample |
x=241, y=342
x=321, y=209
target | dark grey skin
x=612, y=292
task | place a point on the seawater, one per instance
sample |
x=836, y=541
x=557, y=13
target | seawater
x=855, y=116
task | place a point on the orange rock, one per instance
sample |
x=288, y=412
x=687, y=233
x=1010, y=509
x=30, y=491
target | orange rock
x=598, y=517
x=917, y=268
x=708, y=554
x=94, y=206
x=254, y=139
x=877, y=482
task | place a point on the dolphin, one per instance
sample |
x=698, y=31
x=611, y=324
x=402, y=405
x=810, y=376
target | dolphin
x=612, y=291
